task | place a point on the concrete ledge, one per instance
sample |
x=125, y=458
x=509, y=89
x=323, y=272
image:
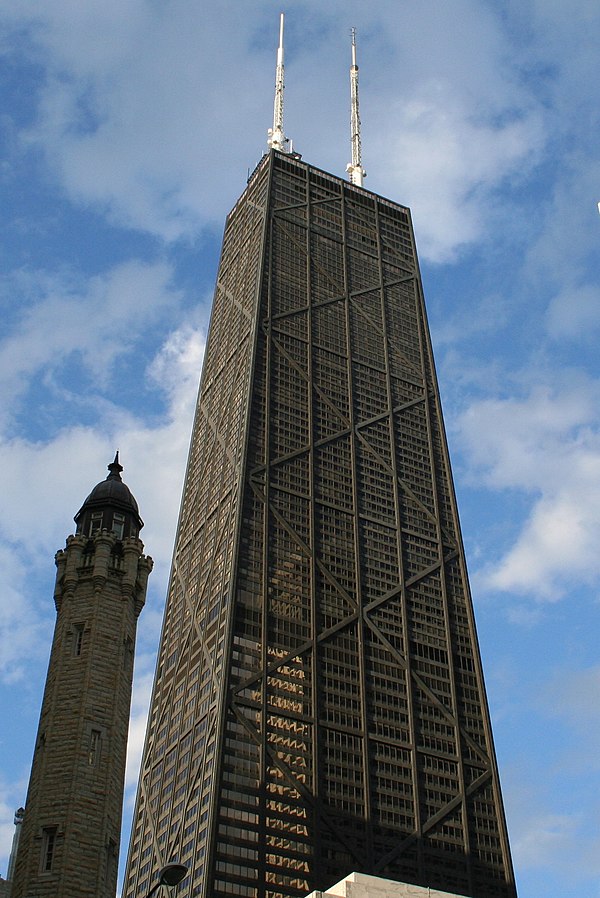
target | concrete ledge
x=361, y=885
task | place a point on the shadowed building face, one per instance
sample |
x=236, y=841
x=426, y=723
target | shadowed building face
x=319, y=705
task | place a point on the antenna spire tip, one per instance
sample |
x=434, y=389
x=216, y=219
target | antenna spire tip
x=354, y=168
x=276, y=135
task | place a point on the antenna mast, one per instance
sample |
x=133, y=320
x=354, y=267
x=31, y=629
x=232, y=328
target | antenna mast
x=354, y=168
x=276, y=137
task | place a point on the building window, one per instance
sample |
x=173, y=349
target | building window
x=95, y=522
x=128, y=652
x=111, y=862
x=95, y=744
x=77, y=639
x=118, y=525
x=48, y=848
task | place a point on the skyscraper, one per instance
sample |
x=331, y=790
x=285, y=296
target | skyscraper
x=319, y=705
x=71, y=829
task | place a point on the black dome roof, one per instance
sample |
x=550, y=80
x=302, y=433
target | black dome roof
x=113, y=493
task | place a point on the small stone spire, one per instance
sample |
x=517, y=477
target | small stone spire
x=19, y=814
x=115, y=468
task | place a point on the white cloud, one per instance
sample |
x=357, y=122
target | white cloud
x=446, y=120
x=520, y=443
x=557, y=546
x=24, y=630
x=95, y=321
x=61, y=472
x=58, y=474
x=547, y=445
x=448, y=165
x=177, y=366
x=103, y=74
x=47, y=476
x=140, y=700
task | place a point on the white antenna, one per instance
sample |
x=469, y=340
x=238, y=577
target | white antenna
x=354, y=168
x=276, y=137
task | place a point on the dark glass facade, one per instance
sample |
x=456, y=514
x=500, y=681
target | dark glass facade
x=319, y=705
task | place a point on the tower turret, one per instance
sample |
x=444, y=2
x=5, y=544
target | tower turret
x=110, y=506
x=71, y=830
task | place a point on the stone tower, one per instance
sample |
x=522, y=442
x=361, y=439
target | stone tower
x=71, y=830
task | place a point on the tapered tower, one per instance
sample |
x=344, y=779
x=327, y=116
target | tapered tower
x=72, y=823
x=319, y=705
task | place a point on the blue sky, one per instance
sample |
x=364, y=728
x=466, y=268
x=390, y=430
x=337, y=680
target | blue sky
x=127, y=131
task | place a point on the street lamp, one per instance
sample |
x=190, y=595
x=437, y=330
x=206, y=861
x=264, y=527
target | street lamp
x=169, y=875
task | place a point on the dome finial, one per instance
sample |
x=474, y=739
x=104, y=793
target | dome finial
x=115, y=468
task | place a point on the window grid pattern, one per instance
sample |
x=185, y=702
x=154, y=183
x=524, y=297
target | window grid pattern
x=354, y=732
